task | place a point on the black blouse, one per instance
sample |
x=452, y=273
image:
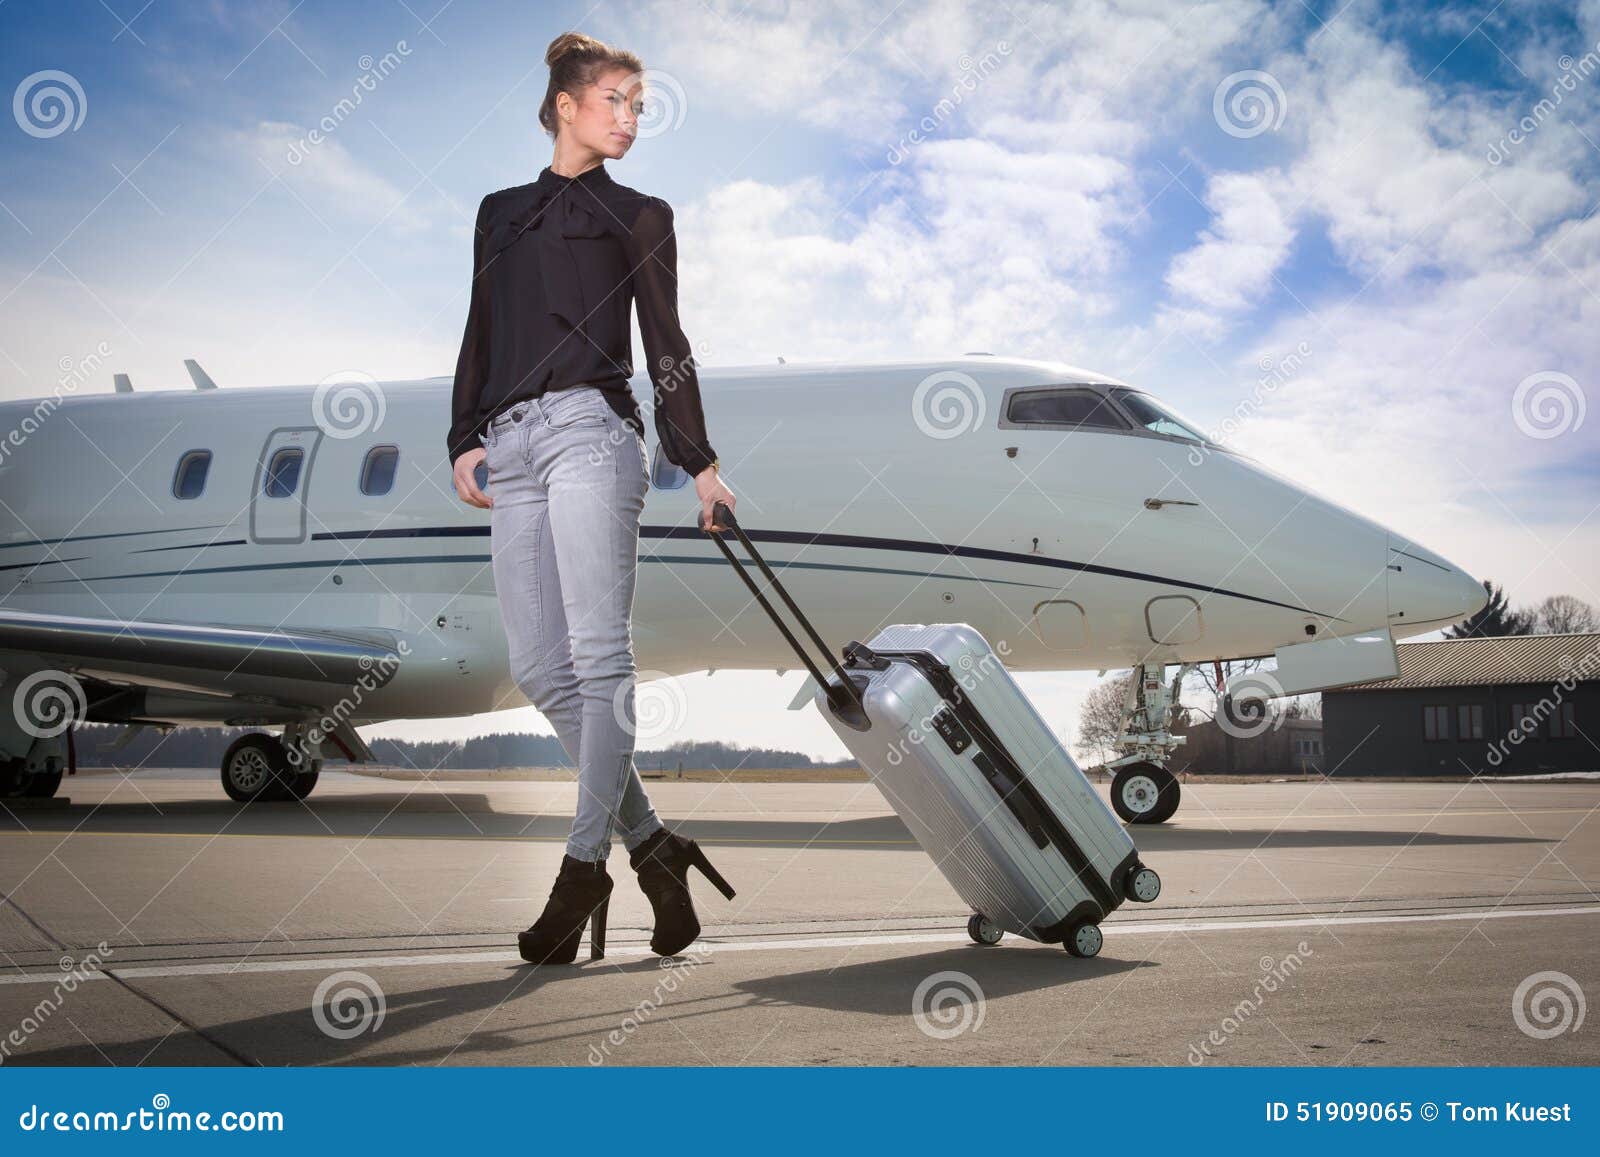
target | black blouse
x=556, y=266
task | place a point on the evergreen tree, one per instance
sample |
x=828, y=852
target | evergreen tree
x=1495, y=618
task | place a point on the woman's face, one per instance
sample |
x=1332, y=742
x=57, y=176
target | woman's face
x=606, y=119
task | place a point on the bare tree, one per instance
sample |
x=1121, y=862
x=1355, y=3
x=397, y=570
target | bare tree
x=1100, y=722
x=1565, y=615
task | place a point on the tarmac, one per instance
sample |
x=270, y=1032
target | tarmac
x=150, y=921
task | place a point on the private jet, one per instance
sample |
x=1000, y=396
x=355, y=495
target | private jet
x=295, y=560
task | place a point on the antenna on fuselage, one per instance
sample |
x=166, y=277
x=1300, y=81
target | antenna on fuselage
x=202, y=380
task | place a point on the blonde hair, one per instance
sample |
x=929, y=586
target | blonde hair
x=575, y=60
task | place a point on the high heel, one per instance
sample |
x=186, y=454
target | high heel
x=579, y=897
x=663, y=862
x=698, y=859
x=597, y=929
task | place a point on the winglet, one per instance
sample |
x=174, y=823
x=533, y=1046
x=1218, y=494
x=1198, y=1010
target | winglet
x=202, y=380
x=123, y=382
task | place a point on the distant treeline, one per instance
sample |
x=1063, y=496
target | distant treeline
x=203, y=747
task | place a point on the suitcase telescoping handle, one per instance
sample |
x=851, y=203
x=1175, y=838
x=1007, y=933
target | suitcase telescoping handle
x=842, y=695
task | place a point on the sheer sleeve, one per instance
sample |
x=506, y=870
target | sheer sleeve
x=472, y=365
x=653, y=256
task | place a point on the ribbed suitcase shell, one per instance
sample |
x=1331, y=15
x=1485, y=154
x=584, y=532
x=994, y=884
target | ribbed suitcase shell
x=956, y=813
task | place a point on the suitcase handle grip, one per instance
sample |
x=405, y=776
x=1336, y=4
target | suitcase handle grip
x=722, y=514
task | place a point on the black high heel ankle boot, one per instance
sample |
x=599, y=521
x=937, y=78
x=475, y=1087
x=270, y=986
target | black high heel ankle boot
x=580, y=895
x=663, y=862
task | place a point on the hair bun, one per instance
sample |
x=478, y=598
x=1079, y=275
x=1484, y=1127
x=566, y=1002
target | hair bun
x=571, y=43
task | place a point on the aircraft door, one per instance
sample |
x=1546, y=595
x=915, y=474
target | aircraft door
x=282, y=483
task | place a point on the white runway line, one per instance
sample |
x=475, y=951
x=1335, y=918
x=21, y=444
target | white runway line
x=715, y=947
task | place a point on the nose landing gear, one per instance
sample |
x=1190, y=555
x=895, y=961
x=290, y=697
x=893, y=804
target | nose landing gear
x=1143, y=791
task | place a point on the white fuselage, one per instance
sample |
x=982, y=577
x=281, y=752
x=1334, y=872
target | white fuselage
x=1042, y=539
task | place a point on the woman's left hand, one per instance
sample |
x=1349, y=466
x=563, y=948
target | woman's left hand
x=709, y=486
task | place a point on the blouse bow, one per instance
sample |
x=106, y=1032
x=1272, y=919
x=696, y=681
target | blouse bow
x=558, y=213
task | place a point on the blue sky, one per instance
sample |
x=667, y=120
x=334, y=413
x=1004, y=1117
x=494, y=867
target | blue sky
x=1093, y=197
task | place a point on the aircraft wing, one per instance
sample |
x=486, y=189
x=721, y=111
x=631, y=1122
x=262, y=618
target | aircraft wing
x=282, y=665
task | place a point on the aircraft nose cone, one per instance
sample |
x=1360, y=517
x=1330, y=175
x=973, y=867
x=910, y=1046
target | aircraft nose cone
x=1427, y=592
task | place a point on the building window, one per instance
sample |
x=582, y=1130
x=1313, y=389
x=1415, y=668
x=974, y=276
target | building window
x=377, y=472
x=1435, y=722
x=1562, y=723
x=1469, y=721
x=190, y=478
x=1523, y=720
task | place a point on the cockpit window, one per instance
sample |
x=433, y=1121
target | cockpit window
x=1063, y=407
x=1155, y=417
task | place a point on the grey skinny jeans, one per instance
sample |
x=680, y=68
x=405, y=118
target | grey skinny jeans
x=568, y=479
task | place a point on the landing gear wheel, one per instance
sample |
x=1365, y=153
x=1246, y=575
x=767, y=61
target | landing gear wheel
x=1144, y=885
x=303, y=784
x=1085, y=940
x=42, y=786
x=983, y=930
x=1144, y=793
x=255, y=768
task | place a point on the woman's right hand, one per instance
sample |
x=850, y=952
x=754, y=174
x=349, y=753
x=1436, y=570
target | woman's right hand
x=709, y=486
x=467, y=480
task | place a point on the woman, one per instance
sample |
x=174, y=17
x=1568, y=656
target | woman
x=542, y=396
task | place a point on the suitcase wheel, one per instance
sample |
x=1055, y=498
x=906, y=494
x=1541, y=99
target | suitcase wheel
x=1084, y=940
x=983, y=930
x=1144, y=885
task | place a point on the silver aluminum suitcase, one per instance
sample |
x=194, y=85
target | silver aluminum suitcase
x=977, y=775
